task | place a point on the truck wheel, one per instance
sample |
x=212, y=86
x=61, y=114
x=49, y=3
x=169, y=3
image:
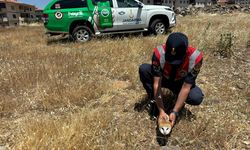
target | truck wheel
x=157, y=27
x=82, y=34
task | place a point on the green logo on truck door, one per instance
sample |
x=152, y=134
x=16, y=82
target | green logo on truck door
x=105, y=13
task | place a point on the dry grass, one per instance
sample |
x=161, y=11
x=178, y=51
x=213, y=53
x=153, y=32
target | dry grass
x=61, y=95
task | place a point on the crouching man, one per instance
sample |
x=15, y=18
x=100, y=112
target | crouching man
x=175, y=65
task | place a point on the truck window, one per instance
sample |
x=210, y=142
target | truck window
x=127, y=3
x=62, y=4
x=96, y=1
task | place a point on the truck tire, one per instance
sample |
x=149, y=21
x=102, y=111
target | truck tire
x=81, y=34
x=157, y=27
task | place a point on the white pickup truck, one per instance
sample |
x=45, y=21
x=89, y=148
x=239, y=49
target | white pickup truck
x=83, y=19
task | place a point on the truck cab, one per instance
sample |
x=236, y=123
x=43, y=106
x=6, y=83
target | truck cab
x=83, y=19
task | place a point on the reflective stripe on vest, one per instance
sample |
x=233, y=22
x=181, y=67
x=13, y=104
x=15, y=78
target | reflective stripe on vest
x=192, y=59
x=162, y=56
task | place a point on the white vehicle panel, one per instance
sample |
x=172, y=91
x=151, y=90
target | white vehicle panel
x=128, y=15
x=130, y=18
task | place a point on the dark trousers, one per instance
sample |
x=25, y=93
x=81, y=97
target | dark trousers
x=195, y=95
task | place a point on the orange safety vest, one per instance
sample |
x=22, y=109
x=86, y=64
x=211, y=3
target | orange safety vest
x=193, y=57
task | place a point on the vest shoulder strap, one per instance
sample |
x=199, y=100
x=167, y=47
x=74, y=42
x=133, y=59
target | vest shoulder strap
x=161, y=51
x=192, y=59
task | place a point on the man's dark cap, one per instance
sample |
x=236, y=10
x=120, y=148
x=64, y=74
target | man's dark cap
x=176, y=45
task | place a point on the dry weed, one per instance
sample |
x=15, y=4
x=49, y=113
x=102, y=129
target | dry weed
x=61, y=95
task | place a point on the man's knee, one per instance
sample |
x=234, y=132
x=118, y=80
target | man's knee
x=143, y=68
x=146, y=78
x=145, y=71
x=195, y=96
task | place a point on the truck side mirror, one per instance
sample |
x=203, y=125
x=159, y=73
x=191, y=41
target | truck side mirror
x=140, y=5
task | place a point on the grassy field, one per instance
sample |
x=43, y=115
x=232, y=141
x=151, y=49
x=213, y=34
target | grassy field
x=56, y=94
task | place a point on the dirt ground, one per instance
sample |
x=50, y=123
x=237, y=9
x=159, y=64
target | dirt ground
x=57, y=94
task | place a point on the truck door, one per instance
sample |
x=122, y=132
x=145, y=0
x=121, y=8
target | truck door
x=104, y=15
x=129, y=15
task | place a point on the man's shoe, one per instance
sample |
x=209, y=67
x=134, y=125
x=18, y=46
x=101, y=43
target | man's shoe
x=153, y=111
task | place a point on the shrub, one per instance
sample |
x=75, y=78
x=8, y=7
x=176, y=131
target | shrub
x=225, y=45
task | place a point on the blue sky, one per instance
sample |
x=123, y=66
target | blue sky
x=38, y=3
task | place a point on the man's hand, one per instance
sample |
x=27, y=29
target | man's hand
x=162, y=116
x=172, y=118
